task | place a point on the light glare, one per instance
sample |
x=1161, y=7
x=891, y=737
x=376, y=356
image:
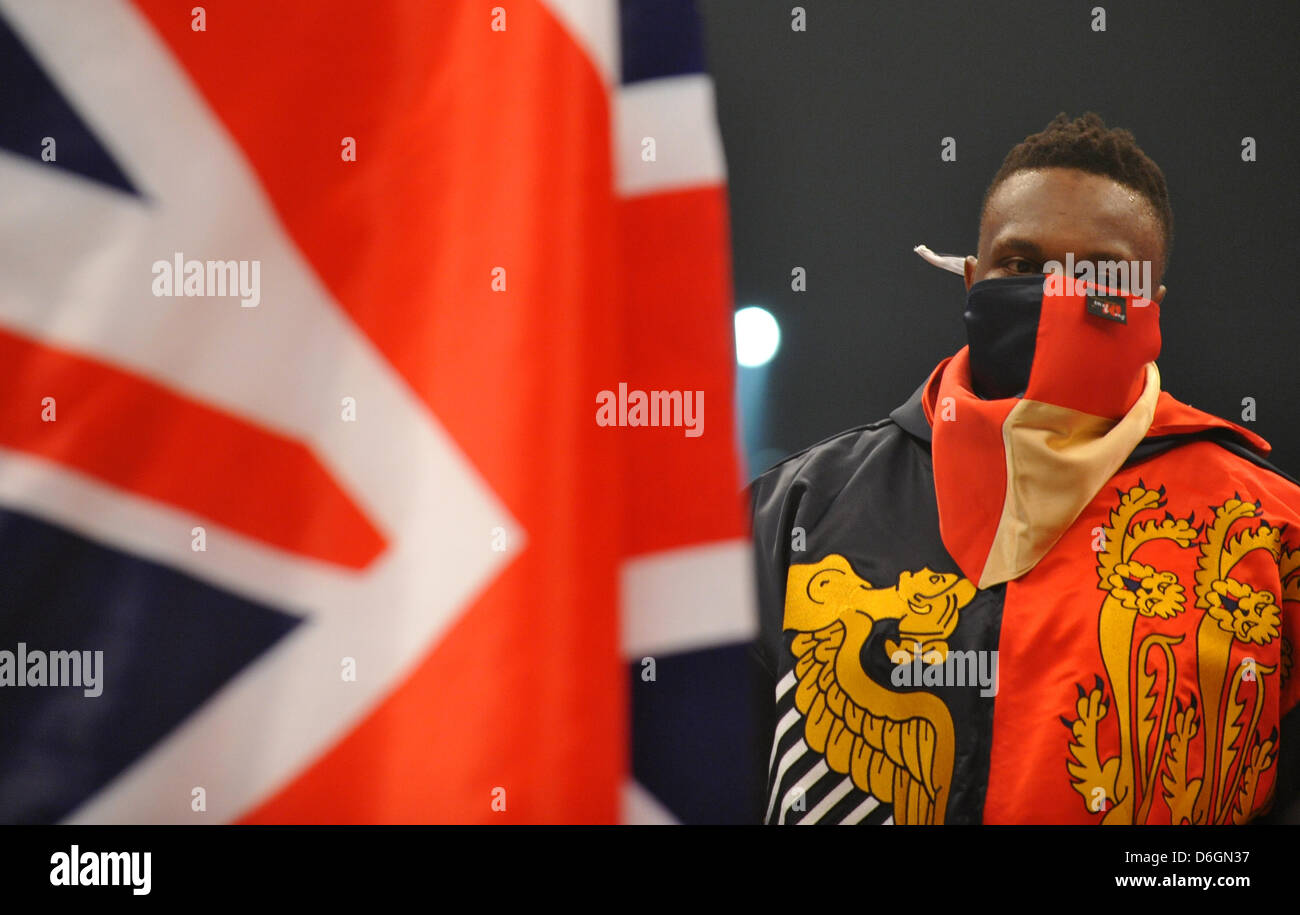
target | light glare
x=757, y=336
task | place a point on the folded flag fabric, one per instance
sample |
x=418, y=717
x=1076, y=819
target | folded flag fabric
x=306, y=322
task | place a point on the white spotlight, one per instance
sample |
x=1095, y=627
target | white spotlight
x=757, y=336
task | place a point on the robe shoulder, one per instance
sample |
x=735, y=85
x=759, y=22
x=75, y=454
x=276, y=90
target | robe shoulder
x=796, y=493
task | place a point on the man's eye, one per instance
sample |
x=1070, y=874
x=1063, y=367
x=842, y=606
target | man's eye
x=1020, y=265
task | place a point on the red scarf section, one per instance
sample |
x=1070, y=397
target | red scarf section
x=1012, y=474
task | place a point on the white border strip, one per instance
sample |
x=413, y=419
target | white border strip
x=677, y=112
x=687, y=599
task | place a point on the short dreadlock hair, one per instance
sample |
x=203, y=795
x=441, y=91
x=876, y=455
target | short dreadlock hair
x=1087, y=144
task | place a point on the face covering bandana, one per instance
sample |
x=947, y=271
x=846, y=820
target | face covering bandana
x=1049, y=398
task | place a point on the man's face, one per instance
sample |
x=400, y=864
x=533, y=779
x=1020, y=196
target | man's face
x=1041, y=215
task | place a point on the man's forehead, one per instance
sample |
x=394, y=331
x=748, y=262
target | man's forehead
x=1070, y=207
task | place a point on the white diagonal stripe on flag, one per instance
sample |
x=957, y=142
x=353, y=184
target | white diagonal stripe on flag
x=594, y=26
x=641, y=808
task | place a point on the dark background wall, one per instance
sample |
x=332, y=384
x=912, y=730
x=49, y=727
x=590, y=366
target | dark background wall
x=833, y=146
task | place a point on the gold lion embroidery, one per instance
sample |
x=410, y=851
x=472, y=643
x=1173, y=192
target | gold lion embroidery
x=897, y=747
x=1156, y=733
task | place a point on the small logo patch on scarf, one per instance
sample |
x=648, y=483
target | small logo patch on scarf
x=1110, y=307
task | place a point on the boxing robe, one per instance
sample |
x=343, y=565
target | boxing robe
x=1074, y=604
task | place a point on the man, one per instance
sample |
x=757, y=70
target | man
x=1042, y=590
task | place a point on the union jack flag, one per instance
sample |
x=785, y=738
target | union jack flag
x=358, y=551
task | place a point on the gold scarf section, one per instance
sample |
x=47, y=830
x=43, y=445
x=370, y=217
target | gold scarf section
x=1058, y=459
